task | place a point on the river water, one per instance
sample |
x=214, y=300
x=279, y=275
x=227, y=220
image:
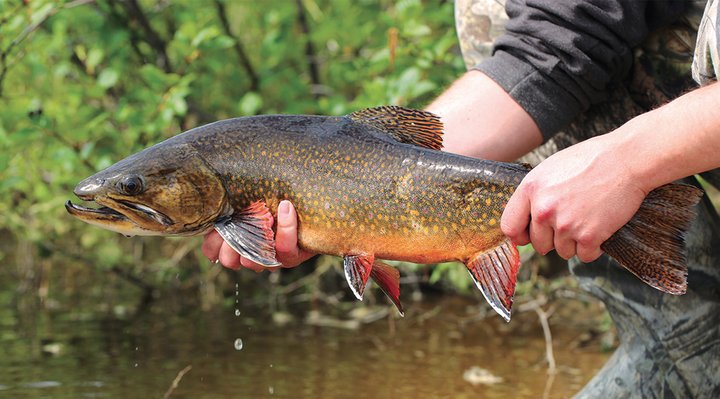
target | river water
x=441, y=349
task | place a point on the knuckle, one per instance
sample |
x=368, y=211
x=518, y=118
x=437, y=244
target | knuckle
x=510, y=230
x=563, y=227
x=544, y=213
x=587, y=239
x=528, y=184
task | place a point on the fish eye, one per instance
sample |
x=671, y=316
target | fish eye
x=131, y=185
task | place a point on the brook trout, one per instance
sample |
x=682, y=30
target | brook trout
x=367, y=186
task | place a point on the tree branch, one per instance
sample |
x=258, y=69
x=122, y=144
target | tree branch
x=310, y=53
x=136, y=14
x=4, y=66
x=244, y=59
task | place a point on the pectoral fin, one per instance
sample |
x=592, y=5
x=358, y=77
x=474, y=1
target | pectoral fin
x=249, y=232
x=495, y=274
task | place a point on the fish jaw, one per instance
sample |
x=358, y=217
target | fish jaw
x=109, y=219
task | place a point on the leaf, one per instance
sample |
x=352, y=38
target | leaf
x=108, y=78
x=250, y=104
x=94, y=57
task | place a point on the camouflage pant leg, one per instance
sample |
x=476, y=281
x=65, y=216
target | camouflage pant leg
x=669, y=345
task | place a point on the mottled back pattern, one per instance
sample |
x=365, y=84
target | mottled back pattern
x=357, y=190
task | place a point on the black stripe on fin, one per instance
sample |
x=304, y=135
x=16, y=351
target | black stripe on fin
x=357, y=273
x=406, y=125
x=495, y=274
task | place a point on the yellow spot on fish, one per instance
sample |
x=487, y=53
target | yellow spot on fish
x=488, y=202
x=492, y=222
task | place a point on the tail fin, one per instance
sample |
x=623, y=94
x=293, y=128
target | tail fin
x=651, y=245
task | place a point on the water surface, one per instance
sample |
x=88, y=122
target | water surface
x=424, y=355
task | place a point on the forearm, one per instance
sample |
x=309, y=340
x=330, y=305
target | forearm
x=483, y=121
x=679, y=139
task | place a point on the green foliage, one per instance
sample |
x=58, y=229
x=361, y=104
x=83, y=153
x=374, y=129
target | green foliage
x=86, y=83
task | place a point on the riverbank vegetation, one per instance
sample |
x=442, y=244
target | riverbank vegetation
x=85, y=83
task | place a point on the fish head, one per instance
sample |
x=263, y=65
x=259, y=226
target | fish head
x=167, y=189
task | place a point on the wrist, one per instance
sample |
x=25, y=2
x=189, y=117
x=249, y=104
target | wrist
x=644, y=160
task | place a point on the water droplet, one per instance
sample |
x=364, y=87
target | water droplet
x=136, y=364
x=271, y=390
x=237, y=312
x=238, y=344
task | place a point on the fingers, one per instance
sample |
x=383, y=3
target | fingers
x=211, y=245
x=542, y=237
x=588, y=253
x=228, y=257
x=215, y=249
x=516, y=218
x=286, y=244
x=564, y=246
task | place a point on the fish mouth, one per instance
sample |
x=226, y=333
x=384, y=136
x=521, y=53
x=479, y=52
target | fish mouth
x=103, y=212
x=121, y=216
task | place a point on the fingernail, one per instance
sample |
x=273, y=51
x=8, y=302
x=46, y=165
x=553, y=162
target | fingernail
x=284, y=208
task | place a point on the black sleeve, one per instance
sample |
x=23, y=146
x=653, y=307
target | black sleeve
x=558, y=57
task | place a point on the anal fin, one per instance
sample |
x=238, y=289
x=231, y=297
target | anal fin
x=495, y=274
x=249, y=232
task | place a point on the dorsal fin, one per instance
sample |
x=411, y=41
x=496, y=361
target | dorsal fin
x=410, y=126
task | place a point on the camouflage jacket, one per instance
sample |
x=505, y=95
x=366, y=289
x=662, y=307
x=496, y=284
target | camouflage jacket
x=582, y=68
x=557, y=59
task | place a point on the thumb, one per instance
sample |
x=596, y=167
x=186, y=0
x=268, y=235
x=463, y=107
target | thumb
x=286, y=236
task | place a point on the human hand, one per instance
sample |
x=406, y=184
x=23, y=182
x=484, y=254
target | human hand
x=575, y=200
x=286, y=248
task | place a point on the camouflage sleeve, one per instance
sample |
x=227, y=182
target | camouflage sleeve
x=557, y=58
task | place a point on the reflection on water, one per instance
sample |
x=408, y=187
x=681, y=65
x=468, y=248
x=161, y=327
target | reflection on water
x=217, y=355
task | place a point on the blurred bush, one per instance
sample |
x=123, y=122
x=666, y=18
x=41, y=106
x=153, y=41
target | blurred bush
x=85, y=83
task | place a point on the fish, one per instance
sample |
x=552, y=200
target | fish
x=370, y=186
